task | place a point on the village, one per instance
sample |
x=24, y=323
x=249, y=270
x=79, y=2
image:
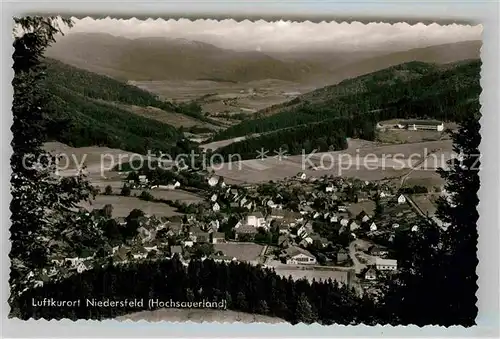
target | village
x=310, y=228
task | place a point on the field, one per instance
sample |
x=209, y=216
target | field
x=241, y=251
x=178, y=194
x=364, y=160
x=225, y=96
x=98, y=160
x=424, y=203
x=175, y=119
x=198, y=316
x=123, y=205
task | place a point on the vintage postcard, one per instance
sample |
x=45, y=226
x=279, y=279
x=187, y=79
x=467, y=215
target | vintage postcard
x=253, y=171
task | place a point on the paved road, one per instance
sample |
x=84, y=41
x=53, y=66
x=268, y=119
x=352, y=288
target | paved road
x=358, y=266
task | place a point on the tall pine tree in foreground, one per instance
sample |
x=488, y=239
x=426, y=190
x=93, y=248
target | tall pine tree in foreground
x=437, y=279
x=43, y=220
x=459, y=209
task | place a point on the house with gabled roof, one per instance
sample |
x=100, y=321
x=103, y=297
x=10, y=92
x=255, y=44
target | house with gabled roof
x=317, y=238
x=121, y=254
x=246, y=230
x=299, y=256
x=401, y=199
x=175, y=249
x=301, y=176
x=342, y=256
x=306, y=241
x=354, y=225
x=222, y=258
x=217, y=237
x=276, y=214
x=213, y=181
x=371, y=274
x=283, y=228
x=200, y=236
x=139, y=253
x=283, y=241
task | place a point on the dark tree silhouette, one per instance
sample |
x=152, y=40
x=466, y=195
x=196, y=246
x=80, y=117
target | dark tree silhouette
x=438, y=268
x=42, y=204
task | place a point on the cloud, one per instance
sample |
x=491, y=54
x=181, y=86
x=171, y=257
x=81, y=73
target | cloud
x=285, y=35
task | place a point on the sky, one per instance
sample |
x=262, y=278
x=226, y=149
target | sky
x=284, y=35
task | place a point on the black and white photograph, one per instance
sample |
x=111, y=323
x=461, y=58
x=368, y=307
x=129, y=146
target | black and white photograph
x=245, y=171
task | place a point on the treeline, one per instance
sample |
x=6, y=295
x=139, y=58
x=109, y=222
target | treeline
x=413, y=90
x=244, y=288
x=158, y=175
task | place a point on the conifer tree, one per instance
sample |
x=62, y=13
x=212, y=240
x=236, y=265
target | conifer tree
x=42, y=204
x=438, y=267
x=459, y=209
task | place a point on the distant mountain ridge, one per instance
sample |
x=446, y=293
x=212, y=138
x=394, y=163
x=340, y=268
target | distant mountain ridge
x=163, y=58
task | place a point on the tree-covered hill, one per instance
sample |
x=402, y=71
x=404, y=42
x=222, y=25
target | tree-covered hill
x=411, y=90
x=320, y=119
x=80, y=113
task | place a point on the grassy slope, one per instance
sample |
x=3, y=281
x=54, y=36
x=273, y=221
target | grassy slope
x=80, y=118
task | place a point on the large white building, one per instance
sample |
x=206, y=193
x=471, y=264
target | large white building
x=299, y=256
x=386, y=264
x=256, y=219
x=414, y=125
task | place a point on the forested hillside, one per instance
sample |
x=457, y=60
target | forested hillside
x=352, y=108
x=81, y=112
x=398, y=90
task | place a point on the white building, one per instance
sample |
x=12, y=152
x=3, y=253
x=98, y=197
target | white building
x=299, y=256
x=213, y=181
x=371, y=274
x=401, y=199
x=301, y=176
x=373, y=227
x=216, y=207
x=256, y=219
x=414, y=125
x=386, y=264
